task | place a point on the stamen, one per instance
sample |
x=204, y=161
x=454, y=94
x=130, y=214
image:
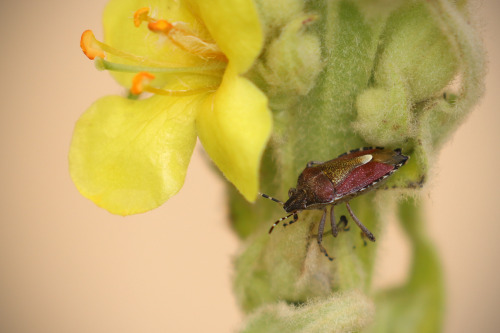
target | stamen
x=186, y=92
x=90, y=45
x=154, y=25
x=209, y=70
x=181, y=35
x=141, y=15
x=160, y=26
x=93, y=48
x=178, y=33
x=139, y=80
x=140, y=84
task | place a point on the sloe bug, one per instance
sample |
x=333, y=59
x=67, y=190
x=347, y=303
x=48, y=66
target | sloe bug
x=323, y=184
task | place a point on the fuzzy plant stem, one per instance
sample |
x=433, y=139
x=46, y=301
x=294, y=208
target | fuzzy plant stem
x=342, y=75
x=418, y=305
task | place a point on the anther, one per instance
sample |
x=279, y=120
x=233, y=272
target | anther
x=139, y=81
x=154, y=25
x=181, y=35
x=90, y=46
x=160, y=26
x=141, y=15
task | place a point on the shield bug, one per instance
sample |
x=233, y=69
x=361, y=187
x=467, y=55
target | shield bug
x=330, y=183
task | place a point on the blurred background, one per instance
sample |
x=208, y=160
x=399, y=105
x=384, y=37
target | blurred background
x=68, y=266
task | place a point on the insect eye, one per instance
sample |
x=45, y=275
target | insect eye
x=291, y=192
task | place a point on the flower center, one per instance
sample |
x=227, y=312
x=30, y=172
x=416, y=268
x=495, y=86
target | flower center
x=180, y=34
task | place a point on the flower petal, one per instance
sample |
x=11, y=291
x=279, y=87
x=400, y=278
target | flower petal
x=235, y=26
x=234, y=127
x=130, y=156
x=120, y=33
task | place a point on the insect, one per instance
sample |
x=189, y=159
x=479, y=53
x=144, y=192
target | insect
x=330, y=183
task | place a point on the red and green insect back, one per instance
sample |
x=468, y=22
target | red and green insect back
x=324, y=184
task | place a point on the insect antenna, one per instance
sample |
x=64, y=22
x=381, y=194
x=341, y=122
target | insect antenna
x=271, y=198
x=281, y=219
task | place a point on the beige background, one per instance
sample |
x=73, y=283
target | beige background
x=68, y=266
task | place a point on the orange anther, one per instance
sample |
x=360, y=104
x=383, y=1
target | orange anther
x=90, y=46
x=141, y=15
x=139, y=80
x=160, y=25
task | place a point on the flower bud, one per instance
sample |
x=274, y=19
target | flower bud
x=384, y=116
x=293, y=60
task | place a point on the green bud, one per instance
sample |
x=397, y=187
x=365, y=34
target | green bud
x=384, y=116
x=341, y=312
x=437, y=119
x=277, y=13
x=416, y=53
x=292, y=61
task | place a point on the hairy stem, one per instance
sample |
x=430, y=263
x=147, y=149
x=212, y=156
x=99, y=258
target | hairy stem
x=380, y=81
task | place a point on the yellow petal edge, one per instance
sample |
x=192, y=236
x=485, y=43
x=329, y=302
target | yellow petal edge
x=235, y=27
x=131, y=156
x=234, y=127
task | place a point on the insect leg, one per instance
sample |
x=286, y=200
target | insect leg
x=360, y=225
x=335, y=231
x=271, y=198
x=281, y=219
x=363, y=237
x=343, y=220
x=295, y=218
x=320, y=235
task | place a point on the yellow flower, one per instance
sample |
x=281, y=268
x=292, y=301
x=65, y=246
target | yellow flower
x=130, y=155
